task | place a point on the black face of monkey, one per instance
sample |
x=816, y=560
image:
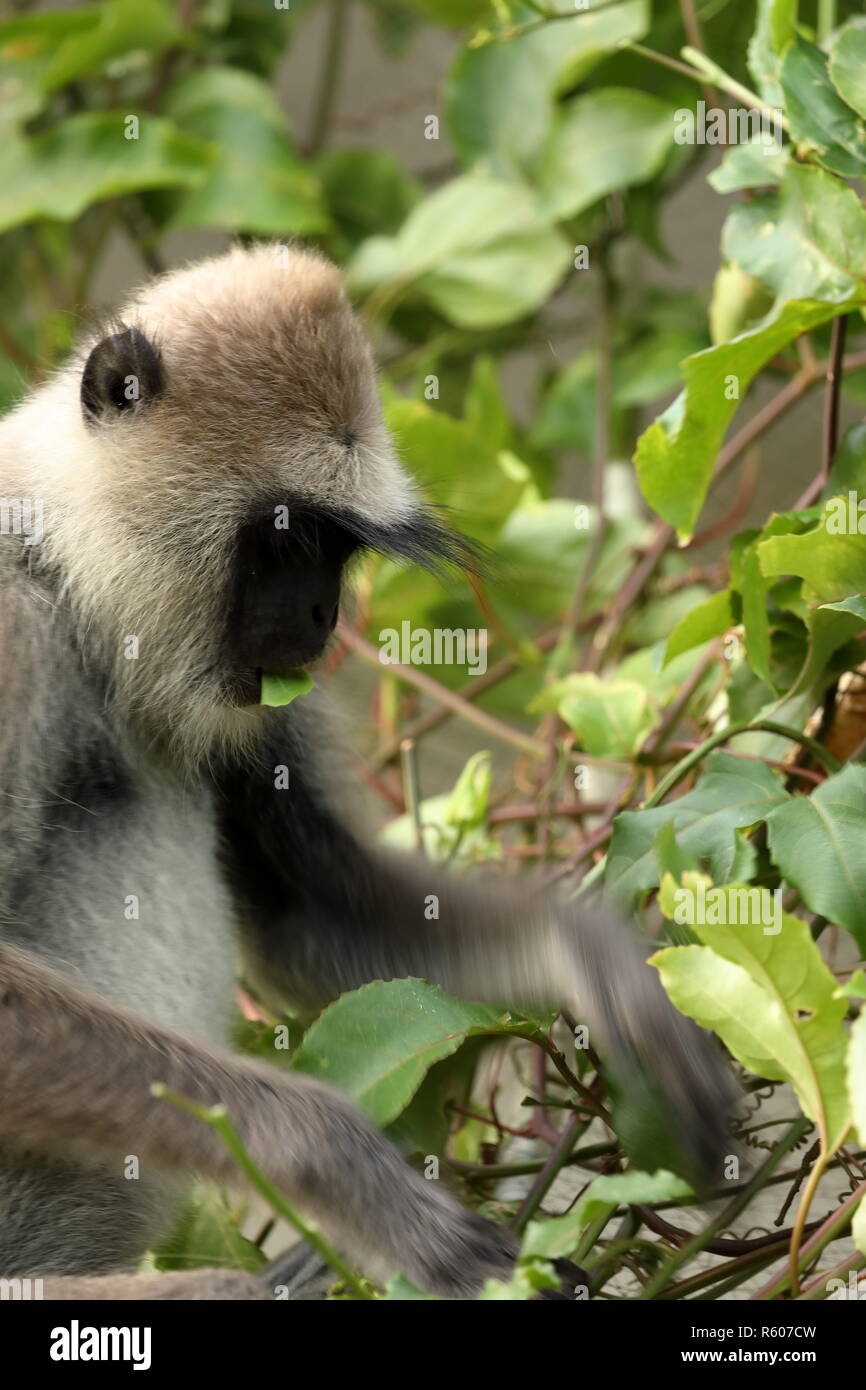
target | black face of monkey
x=286, y=595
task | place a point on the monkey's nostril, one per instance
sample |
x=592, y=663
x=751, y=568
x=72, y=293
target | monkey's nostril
x=318, y=616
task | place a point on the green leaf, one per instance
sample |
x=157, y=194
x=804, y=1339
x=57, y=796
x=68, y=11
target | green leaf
x=479, y=249
x=806, y=242
x=817, y=844
x=738, y=301
x=848, y=473
x=560, y=1236
x=484, y=404
x=857, y=1077
x=775, y=29
x=28, y=45
x=676, y=456
x=732, y=794
x=830, y=560
x=207, y=1235
x=671, y=857
x=754, y=164
x=281, y=689
x=455, y=464
x=378, y=1042
x=452, y=12
x=608, y=139
x=257, y=182
x=499, y=96
x=710, y=619
x=772, y=1000
x=122, y=27
x=848, y=66
x=86, y=159
x=469, y=800
x=756, y=621
x=611, y=718
x=818, y=115
x=366, y=192
x=401, y=1289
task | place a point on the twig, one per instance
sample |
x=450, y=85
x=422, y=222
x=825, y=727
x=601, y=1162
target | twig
x=411, y=793
x=326, y=92
x=496, y=728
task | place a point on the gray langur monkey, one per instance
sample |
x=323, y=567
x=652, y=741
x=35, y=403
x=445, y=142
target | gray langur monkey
x=137, y=761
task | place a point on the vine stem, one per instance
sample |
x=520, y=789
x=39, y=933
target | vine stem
x=819, y=1168
x=217, y=1117
x=770, y=726
x=830, y=1229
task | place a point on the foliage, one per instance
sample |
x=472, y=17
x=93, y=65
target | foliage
x=661, y=656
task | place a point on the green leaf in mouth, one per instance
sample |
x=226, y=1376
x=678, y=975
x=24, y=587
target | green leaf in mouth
x=283, y=687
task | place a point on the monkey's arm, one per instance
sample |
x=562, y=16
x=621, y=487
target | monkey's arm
x=325, y=915
x=77, y=1072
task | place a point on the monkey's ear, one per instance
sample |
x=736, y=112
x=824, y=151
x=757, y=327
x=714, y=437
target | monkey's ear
x=123, y=372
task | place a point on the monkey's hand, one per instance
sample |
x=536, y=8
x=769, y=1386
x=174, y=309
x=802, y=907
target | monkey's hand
x=650, y=1047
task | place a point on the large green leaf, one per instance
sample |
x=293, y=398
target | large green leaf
x=808, y=243
x=774, y=1003
x=608, y=139
x=257, y=182
x=832, y=562
x=848, y=66
x=732, y=795
x=379, y=1042
x=479, y=249
x=817, y=114
x=676, y=456
x=817, y=844
x=499, y=97
x=87, y=158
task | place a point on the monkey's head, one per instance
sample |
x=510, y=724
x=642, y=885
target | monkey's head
x=221, y=457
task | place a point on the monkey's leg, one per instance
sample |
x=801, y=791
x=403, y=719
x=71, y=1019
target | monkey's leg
x=76, y=1073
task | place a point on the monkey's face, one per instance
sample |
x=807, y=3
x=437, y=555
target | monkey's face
x=227, y=459
x=286, y=595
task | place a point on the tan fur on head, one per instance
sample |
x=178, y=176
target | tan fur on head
x=269, y=393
